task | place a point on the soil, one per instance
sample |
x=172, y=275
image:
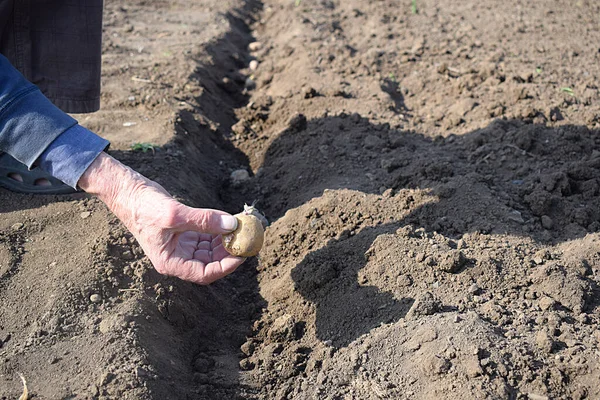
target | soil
x=432, y=179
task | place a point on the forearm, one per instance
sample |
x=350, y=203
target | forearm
x=110, y=180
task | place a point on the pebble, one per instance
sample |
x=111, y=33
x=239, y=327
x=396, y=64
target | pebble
x=17, y=226
x=127, y=255
x=248, y=348
x=95, y=298
x=254, y=46
x=515, y=216
x=239, y=176
x=250, y=84
x=473, y=289
x=253, y=65
x=85, y=214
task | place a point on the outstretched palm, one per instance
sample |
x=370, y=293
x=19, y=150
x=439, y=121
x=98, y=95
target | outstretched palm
x=201, y=258
x=180, y=241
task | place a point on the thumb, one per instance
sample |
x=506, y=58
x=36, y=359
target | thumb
x=205, y=220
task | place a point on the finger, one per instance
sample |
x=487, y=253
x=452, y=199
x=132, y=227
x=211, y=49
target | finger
x=203, y=255
x=219, y=269
x=203, y=274
x=205, y=237
x=204, y=246
x=204, y=220
x=217, y=241
x=220, y=252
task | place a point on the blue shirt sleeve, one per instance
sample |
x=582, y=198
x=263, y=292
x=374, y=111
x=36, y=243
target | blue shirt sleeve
x=70, y=154
x=33, y=129
x=29, y=122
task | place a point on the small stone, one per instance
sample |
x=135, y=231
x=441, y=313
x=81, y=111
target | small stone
x=538, y=260
x=85, y=214
x=253, y=65
x=298, y=123
x=254, y=46
x=239, y=176
x=247, y=348
x=546, y=303
x=462, y=107
x=474, y=289
x=17, y=226
x=544, y=342
x=424, y=334
x=95, y=298
x=515, y=216
x=388, y=193
x=127, y=255
x=547, y=222
x=250, y=84
x=105, y=326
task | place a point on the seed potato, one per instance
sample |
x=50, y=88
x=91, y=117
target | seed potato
x=248, y=238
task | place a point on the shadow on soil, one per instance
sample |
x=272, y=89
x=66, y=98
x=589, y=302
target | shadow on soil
x=329, y=278
x=511, y=178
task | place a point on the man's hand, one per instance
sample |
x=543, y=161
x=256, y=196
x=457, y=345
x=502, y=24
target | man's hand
x=179, y=240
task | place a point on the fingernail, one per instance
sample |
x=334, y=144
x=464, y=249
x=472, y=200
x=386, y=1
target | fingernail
x=228, y=222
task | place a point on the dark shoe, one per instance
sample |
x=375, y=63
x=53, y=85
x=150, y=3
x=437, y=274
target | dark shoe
x=16, y=177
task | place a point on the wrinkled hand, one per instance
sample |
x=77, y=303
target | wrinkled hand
x=180, y=241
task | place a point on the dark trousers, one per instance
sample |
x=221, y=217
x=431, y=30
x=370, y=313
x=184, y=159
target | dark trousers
x=57, y=45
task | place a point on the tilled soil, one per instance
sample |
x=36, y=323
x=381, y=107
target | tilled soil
x=432, y=180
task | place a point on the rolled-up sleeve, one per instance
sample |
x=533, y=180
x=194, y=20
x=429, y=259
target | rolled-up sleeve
x=71, y=154
x=29, y=122
x=33, y=129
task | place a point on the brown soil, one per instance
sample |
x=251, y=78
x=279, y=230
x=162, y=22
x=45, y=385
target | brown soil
x=432, y=182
